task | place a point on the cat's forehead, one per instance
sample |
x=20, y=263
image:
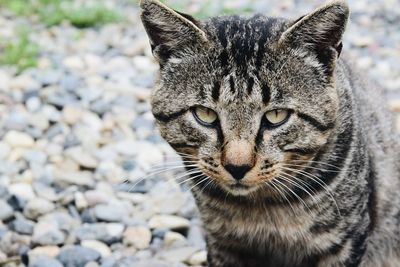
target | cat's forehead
x=241, y=40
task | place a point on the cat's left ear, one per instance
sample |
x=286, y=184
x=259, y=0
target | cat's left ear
x=172, y=34
x=320, y=31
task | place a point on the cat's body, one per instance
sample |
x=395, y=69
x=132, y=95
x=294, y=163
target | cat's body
x=317, y=188
x=366, y=188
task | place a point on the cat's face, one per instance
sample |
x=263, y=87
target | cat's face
x=240, y=97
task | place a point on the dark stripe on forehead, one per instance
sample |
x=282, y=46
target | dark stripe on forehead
x=232, y=84
x=265, y=34
x=223, y=58
x=169, y=117
x=216, y=91
x=250, y=85
x=318, y=125
x=221, y=32
x=266, y=93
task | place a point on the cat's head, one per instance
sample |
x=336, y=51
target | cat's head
x=245, y=98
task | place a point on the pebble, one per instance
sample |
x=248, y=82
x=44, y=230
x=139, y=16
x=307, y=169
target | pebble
x=22, y=225
x=12, y=243
x=5, y=150
x=80, y=201
x=72, y=114
x=94, y=197
x=6, y=211
x=172, y=238
x=137, y=236
x=18, y=139
x=81, y=157
x=48, y=233
x=178, y=254
x=49, y=251
x=394, y=104
x=100, y=247
x=23, y=191
x=108, y=233
x=45, y=262
x=198, y=258
x=110, y=212
x=37, y=207
x=77, y=256
x=168, y=221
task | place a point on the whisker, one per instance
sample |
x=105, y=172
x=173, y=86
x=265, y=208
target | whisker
x=170, y=167
x=186, y=155
x=318, y=181
x=209, y=182
x=278, y=188
x=317, y=162
x=290, y=190
x=190, y=178
x=314, y=168
x=205, y=179
x=152, y=174
x=301, y=186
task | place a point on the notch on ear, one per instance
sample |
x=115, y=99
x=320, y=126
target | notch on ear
x=171, y=33
x=320, y=32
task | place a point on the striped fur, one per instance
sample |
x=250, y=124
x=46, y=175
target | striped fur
x=323, y=187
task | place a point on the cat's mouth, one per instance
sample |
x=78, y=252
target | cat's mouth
x=239, y=188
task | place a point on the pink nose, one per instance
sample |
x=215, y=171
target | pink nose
x=238, y=158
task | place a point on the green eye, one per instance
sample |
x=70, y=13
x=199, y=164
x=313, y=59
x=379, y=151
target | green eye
x=205, y=115
x=277, y=116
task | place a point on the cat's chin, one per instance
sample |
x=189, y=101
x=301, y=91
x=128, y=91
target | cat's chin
x=240, y=189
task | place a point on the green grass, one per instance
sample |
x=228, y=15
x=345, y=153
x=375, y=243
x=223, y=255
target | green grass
x=209, y=8
x=21, y=52
x=53, y=12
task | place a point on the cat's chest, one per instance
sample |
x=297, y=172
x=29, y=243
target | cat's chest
x=258, y=225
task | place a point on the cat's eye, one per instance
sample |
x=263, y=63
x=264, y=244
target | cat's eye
x=205, y=116
x=277, y=117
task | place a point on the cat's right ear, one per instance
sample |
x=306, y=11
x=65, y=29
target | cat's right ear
x=172, y=34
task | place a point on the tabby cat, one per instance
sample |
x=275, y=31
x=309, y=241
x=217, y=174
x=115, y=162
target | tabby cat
x=294, y=159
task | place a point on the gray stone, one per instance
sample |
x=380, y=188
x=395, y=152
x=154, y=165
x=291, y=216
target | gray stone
x=110, y=212
x=70, y=82
x=48, y=233
x=99, y=246
x=153, y=263
x=77, y=256
x=106, y=232
x=5, y=150
x=22, y=190
x=195, y=235
x=48, y=77
x=23, y=226
x=37, y=207
x=12, y=243
x=33, y=104
x=178, y=254
x=44, y=261
x=6, y=211
x=35, y=156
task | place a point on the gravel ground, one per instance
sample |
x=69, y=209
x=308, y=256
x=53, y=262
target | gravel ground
x=76, y=127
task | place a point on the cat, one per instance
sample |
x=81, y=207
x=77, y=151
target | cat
x=294, y=158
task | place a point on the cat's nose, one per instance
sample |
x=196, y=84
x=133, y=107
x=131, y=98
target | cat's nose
x=238, y=171
x=238, y=158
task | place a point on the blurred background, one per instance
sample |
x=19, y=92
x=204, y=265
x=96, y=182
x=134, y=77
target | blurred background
x=77, y=135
